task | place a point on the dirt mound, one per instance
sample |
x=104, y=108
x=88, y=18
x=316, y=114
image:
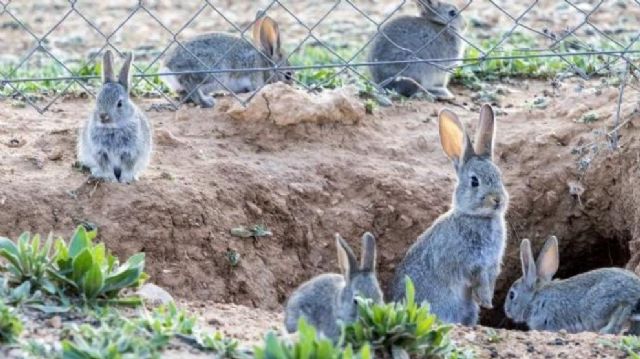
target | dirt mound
x=308, y=180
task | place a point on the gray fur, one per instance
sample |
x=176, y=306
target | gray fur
x=439, y=26
x=601, y=300
x=328, y=300
x=454, y=264
x=222, y=51
x=117, y=148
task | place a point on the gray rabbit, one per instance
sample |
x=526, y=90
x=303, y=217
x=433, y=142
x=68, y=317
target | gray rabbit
x=328, y=300
x=601, y=300
x=115, y=141
x=433, y=35
x=454, y=264
x=226, y=52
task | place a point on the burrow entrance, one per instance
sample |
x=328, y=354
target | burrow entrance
x=582, y=253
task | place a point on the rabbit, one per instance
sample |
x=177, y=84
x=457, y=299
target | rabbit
x=115, y=142
x=601, y=300
x=226, y=52
x=454, y=264
x=433, y=35
x=328, y=300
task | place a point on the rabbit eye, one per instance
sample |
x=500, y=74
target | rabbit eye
x=452, y=13
x=511, y=295
x=288, y=75
x=474, y=181
x=119, y=103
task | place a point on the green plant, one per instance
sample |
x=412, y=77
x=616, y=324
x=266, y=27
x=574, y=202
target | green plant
x=628, y=344
x=398, y=329
x=307, y=346
x=116, y=337
x=10, y=324
x=27, y=260
x=88, y=270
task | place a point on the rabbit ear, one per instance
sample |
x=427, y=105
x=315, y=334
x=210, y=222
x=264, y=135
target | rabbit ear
x=107, y=67
x=368, y=261
x=269, y=37
x=486, y=131
x=528, y=264
x=548, y=259
x=256, y=27
x=454, y=140
x=124, y=78
x=346, y=258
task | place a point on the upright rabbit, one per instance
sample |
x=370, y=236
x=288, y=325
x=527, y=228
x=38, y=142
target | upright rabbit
x=454, y=263
x=115, y=142
x=601, y=300
x=433, y=35
x=329, y=299
x=226, y=52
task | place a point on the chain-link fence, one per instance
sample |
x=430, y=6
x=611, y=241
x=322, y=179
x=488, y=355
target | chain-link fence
x=52, y=49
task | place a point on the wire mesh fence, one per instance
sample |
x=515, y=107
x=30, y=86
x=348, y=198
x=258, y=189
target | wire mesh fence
x=52, y=49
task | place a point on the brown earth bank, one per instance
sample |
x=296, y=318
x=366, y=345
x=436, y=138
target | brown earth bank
x=383, y=173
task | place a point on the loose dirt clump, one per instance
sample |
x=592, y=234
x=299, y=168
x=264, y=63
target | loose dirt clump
x=282, y=105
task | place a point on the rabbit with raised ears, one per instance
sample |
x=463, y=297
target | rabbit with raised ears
x=454, y=264
x=115, y=141
x=601, y=300
x=435, y=34
x=219, y=51
x=329, y=299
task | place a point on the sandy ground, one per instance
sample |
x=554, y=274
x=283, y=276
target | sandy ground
x=386, y=174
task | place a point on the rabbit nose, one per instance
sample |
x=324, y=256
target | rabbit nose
x=104, y=117
x=493, y=201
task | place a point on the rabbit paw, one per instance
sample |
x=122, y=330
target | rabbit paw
x=483, y=297
x=441, y=93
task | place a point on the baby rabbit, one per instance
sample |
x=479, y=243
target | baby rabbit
x=328, y=300
x=599, y=300
x=225, y=52
x=115, y=142
x=454, y=263
x=433, y=35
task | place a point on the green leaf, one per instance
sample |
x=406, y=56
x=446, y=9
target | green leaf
x=81, y=264
x=8, y=246
x=122, y=279
x=93, y=282
x=79, y=242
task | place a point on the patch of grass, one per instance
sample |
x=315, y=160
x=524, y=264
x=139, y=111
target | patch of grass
x=308, y=345
x=89, y=271
x=400, y=330
x=628, y=344
x=116, y=336
x=27, y=260
x=10, y=324
x=79, y=270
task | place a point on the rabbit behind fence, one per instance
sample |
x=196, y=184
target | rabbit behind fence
x=328, y=300
x=436, y=34
x=454, y=264
x=601, y=300
x=219, y=51
x=115, y=141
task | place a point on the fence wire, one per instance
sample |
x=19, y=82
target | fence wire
x=42, y=63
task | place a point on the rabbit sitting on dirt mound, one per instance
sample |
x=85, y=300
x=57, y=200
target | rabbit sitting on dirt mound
x=599, y=300
x=434, y=35
x=115, y=142
x=218, y=51
x=454, y=264
x=328, y=300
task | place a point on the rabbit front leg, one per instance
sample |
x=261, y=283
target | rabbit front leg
x=127, y=168
x=484, y=286
x=619, y=317
x=103, y=167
